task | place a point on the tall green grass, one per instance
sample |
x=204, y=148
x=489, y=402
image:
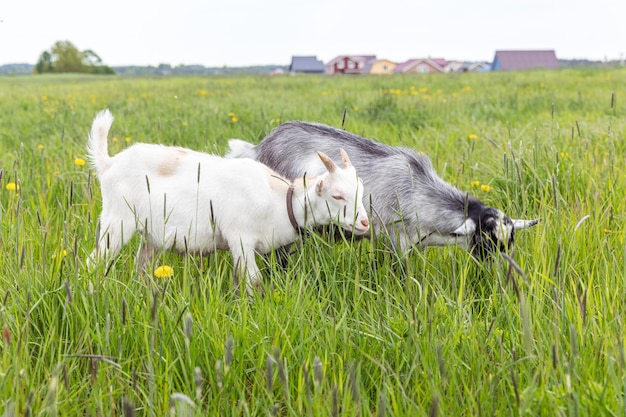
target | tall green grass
x=339, y=330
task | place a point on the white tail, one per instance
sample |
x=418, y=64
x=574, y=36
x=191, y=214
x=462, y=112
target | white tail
x=241, y=149
x=97, y=142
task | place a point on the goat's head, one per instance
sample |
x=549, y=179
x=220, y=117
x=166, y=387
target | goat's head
x=487, y=230
x=342, y=191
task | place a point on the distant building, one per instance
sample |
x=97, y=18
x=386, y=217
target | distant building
x=350, y=64
x=462, y=66
x=479, y=67
x=522, y=60
x=306, y=64
x=380, y=66
x=422, y=66
x=457, y=66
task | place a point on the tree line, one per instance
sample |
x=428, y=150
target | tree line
x=65, y=57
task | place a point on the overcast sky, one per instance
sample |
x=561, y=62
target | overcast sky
x=251, y=32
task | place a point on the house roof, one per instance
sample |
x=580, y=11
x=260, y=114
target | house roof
x=438, y=63
x=306, y=64
x=401, y=67
x=519, y=60
x=479, y=67
x=361, y=58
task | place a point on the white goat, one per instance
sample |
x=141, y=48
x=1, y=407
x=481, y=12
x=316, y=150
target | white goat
x=193, y=202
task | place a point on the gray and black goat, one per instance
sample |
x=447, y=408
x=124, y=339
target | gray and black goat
x=405, y=197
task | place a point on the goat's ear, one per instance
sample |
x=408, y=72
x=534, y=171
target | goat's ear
x=328, y=163
x=319, y=187
x=467, y=228
x=523, y=224
x=344, y=158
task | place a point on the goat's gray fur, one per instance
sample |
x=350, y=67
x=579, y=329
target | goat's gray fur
x=409, y=202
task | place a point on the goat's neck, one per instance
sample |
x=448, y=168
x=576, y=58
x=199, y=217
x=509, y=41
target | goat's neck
x=305, y=202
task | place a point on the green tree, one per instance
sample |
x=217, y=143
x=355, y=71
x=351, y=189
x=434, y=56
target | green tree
x=90, y=58
x=93, y=61
x=65, y=57
x=44, y=64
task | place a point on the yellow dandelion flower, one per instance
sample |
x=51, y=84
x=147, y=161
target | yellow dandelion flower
x=127, y=139
x=356, y=108
x=79, y=161
x=63, y=253
x=467, y=89
x=185, y=123
x=277, y=297
x=472, y=136
x=278, y=120
x=203, y=93
x=114, y=139
x=164, y=271
x=423, y=90
x=475, y=183
x=39, y=146
x=12, y=186
x=234, y=119
x=231, y=114
x=607, y=231
x=485, y=188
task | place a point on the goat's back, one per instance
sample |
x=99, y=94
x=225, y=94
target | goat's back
x=290, y=149
x=183, y=174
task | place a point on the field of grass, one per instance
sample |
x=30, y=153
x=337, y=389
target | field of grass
x=339, y=330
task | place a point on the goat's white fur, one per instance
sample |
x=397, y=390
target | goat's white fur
x=195, y=202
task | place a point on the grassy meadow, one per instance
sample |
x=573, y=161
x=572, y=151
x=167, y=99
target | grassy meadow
x=339, y=329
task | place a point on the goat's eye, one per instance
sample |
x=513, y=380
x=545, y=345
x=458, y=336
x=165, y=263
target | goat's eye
x=338, y=197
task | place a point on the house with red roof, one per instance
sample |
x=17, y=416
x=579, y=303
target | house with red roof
x=350, y=64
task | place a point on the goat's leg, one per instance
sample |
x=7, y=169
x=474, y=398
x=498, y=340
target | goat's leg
x=146, y=257
x=245, y=265
x=112, y=235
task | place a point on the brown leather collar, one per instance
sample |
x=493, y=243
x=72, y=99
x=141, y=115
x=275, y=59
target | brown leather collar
x=292, y=218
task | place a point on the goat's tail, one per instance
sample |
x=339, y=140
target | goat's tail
x=241, y=149
x=97, y=143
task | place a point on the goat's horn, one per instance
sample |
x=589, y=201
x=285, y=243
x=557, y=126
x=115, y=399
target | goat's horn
x=344, y=158
x=522, y=224
x=328, y=163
